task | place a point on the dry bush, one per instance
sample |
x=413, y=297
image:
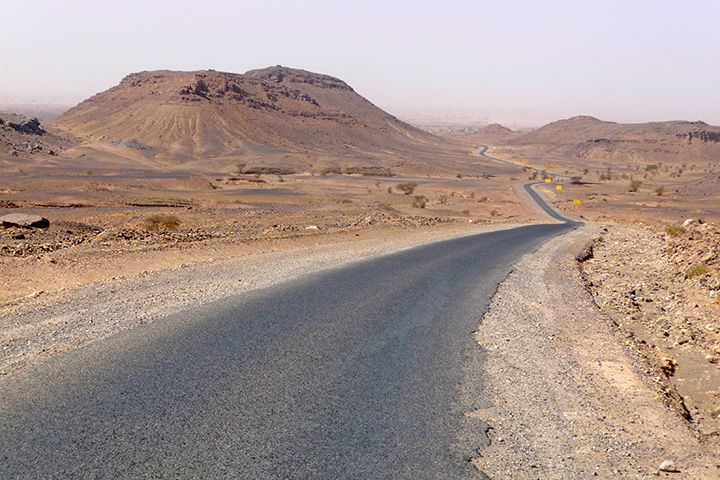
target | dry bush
x=419, y=201
x=407, y=188
x=161, y=221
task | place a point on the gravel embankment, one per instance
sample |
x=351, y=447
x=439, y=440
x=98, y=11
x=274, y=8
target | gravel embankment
x=45, y=325
x=567, y=396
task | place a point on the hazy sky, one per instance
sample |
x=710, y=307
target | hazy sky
x=536, y=60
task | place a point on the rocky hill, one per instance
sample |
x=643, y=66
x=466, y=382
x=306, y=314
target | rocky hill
x=181, y=116
x=494, y=134
x=588, y=137
x=24, y=137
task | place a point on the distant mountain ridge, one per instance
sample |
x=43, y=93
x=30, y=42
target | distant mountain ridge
x=492, y=134
x=588, y=137
x=186, y=115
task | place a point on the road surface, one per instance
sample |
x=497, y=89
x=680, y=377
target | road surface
x=482, y=152
x=363, y=371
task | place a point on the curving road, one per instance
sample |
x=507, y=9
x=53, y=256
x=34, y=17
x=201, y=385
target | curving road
x=364, y=371
x=482, y=152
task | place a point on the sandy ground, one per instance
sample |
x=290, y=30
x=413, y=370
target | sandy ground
x=567, y=395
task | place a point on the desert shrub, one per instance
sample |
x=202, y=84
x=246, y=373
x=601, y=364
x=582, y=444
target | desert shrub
x=696, y=270
x=606, y=175
x=466, y=212
x=674, y=229
x=407, y=188
x=443, y=199
x=659, y=190
x=576, y=180
x=533, y=176
x=483, y=199
x=161, y=221
x=370, y=171
x=419, y=201
x=265, y=170
x=544, y=175
x=331, y=171
x=494, y=213
x=634, y=185
x=458, y=175
x=389, y=189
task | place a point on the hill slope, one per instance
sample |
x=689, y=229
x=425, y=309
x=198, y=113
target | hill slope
x=492, y=134
x=185, y=115
x=588, y=137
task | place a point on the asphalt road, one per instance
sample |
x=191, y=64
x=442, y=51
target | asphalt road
x=362, y=372
x=482, y=152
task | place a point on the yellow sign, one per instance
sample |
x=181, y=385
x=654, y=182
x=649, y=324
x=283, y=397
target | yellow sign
x=559, y=187
x=552, y=164
x=576, y=200
x=547, y=180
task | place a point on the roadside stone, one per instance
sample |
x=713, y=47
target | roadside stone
x=668, y=466
x=23, y=220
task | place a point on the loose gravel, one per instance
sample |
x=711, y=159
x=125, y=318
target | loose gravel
x=566, y=394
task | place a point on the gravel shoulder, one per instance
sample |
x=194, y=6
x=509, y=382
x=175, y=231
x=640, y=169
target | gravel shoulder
x=41, y=326
x=568, y=395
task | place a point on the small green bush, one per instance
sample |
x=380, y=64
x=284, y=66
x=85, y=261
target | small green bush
x=696, y=270
x=674, y=230
x=161, y=221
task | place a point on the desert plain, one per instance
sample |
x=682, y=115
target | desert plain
x=172, y=170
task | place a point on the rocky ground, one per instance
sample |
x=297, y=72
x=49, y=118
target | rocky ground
x=567, y=394
x=661, y=287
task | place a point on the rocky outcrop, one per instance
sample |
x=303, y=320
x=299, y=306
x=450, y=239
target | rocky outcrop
x=23, y=125
x=23, y=220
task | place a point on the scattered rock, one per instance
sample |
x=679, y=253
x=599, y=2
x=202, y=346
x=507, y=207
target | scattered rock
x=23, y=220
x=31, y=126
x=668, y=466
x=668, y=366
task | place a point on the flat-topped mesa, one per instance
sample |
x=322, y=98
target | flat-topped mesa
x=280, y=74
x=206, y=113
